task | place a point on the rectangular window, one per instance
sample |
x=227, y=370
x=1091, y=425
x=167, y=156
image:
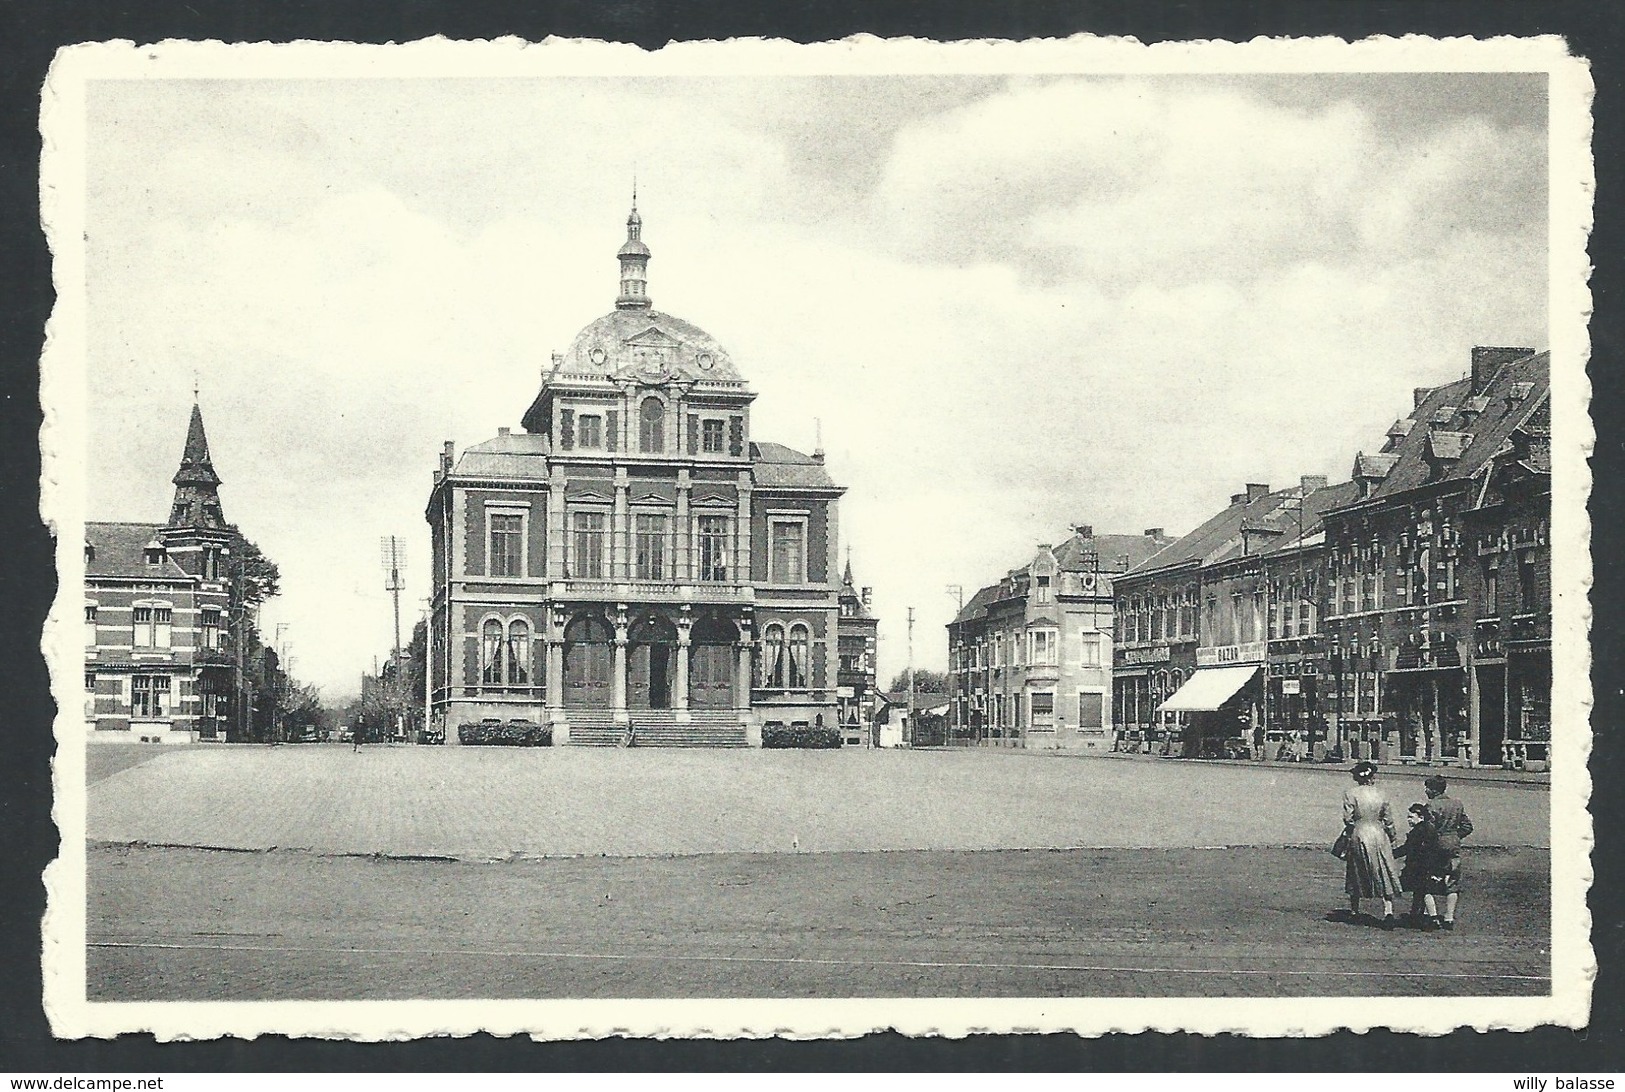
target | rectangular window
x=90, y=694
x=1041, y=592
x=151, y=626
x=789, y=546
x=711, y=437
x=1091, y=708
x=149, y=695
x=209, y=636
x=588, y=545
x=651, y=547
x=90, y=625
x=1043, y=704
x=1043, y=646
x=141, y=625
x=713, y=549
x=1492, y=591
x=1091, y=650
x=508, y=542
x=591, y=428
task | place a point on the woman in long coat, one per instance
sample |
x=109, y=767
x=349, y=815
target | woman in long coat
x=1368, y=822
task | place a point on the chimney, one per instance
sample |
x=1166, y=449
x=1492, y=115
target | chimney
x=1043, y=546
x=1255, y=490
x=1084, y=530
x=1420, y=395
x=446, y=457
x=1238, y=498
x=1309, y=483
x=1153, y=532
x=1487, y=360
x=502, y=430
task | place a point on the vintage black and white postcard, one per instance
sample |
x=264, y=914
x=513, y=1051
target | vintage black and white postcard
x=753, y=539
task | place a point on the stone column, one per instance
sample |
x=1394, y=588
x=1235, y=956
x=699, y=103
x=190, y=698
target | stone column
x=557, y=525
x=619, y=537
x=682, y=532
x=618, y=669
x=741, y=567
x=742, y=680
x=555, y=679
x=685, y=624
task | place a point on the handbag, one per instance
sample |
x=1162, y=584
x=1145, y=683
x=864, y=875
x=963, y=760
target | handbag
x=1340, y=848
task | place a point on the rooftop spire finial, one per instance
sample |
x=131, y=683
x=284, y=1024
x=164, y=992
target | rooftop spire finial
x=634, y=259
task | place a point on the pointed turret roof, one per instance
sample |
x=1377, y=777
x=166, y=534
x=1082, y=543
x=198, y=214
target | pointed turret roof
x=196, y=469
x=197, y=496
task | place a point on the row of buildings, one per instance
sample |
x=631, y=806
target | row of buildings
x=1402, y=613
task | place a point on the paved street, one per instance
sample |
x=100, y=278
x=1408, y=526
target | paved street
x=175, y=924
x=494, y=803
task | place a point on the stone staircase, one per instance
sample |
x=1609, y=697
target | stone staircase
x=705, y=728
x=594, y=728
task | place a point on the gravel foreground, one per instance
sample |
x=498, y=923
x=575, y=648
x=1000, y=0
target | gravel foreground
x=186, y=924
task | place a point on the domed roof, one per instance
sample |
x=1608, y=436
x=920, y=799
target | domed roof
x=633, y=248
x=649, y=345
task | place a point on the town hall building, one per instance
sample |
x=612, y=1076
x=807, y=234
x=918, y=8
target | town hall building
x=634, y=566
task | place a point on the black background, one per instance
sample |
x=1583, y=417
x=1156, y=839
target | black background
x=29, y=35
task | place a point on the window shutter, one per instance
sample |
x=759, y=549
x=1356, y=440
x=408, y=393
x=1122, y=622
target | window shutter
x=736, y=435
x=567, y=429
x=693, y=433
x=612, y=436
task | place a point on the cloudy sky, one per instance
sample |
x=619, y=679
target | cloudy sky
x=1013, y=303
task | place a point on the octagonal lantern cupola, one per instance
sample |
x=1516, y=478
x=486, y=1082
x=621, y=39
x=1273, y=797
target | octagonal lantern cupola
x=634, y=258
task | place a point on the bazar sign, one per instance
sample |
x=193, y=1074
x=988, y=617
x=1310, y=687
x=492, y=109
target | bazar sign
x=1218, y=655
x=1158, y=655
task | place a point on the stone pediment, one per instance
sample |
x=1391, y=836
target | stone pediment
x=649, y=496
x=712, y=496
x=587, y=493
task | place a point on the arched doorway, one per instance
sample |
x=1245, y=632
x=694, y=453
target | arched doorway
x=712, y=663
x=653, y=641
x=587, y=661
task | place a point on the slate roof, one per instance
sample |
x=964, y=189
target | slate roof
x=1514, y=392
x=1275, y=514
x=976, y=606
x=120, y=550
x=1117, y=553
x=519, y=455
x=774, y=465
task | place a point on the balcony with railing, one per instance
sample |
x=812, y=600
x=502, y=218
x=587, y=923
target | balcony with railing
x=659, y=590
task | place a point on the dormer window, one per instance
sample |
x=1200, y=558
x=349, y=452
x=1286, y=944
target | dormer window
x=1041, y=592
x=155, y=554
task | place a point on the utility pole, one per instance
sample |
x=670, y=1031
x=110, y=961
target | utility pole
x=392, y=551
x=956, y=672
x=910, y=739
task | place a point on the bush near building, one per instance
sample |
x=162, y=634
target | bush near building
x=800, y=736
x=513, y=733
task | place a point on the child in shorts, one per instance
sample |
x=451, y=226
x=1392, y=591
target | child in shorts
x=1426, y=865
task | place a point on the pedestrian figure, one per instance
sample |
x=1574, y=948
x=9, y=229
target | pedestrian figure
x=355, y=740
x=1450, y=820
x=1368, y=824
x=1426, y=863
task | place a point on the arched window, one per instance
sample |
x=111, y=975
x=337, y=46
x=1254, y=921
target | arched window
x=652, y=425
x=799, y=656
x=491, y=652
x=518, y=652
x=773, y=656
